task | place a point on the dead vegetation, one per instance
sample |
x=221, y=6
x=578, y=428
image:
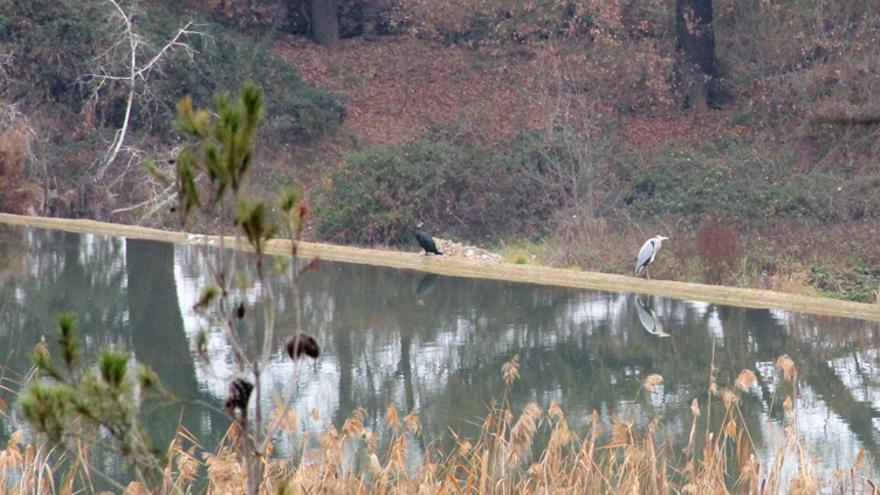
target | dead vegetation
x=397, y=88
x=784, y=257
x=452, y=248
x=16, y=143
x=600, y=75
x=617, y=455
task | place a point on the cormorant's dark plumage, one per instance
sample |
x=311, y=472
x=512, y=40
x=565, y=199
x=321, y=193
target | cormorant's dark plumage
x=427, y=242
x=239, y=395
x=303, y=344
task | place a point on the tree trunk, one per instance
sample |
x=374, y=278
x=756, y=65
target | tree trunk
x=254, y=472
x=325, y=25
x=696, y=71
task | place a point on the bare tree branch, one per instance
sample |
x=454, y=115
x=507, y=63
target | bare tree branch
x=136, y=74
x=165, y=197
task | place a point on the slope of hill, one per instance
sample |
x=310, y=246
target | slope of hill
x=551, y=130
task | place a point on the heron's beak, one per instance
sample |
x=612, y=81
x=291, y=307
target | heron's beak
x=664, y=238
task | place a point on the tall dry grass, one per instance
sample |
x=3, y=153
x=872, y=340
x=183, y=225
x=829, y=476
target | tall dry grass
x=717, y=244
x=16, y=143
x=775, y=257
x=619, y=457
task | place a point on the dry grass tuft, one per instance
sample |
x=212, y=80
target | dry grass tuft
x=717, y=249
x=652, y=381
x=285, y=418
x=745, y=380
x=789, y=370
x=354, y=425
x=523, y=433
x=392, y=419
x=412, y=423
x=16, y=145
x=510, y=370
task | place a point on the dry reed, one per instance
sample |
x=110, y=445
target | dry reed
x=630, y=458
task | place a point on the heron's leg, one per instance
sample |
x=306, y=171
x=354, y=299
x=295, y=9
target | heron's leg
x=647, y=273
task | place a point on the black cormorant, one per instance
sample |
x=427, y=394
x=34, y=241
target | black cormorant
x=426, y=241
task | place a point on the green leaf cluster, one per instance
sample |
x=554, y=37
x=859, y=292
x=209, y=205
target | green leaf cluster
x=253, y=220
x=54, y=43
x=74, y=399
x=222, y=147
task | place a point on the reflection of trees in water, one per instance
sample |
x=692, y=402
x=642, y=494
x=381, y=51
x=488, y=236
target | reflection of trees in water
x=12, y=253
x=13, y=265
x=436, y=344
x=388, y=348
x=65, y=273
x=586, y=351
x=814, y=343
x=158, y=338
x=122, y=294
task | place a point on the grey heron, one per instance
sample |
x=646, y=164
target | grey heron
x=425, y=241
x=647, y=254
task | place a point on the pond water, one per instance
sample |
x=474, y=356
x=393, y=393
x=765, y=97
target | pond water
x=436, y=345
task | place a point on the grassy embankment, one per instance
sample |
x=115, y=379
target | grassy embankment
x=463, y=267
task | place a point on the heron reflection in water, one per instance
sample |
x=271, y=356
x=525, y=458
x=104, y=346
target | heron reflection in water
x=648, y=319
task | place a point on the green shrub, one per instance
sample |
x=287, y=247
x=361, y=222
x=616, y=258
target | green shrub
x=383, y=192
x=57, y=43
x=53, y=43
x=299, y=112
x=480, y=194
x=728, y=179
x=857, y=284
x=457, y=189
x=74, y=401
x=561, y=170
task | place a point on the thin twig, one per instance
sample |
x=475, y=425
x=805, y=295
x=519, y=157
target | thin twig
x=135, y=73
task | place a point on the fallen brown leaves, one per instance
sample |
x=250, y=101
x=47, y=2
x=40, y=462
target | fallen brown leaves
x=397, y=87
x=670, y=126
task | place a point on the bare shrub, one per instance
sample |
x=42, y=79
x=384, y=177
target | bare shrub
x=717, y=249
x=592, y=243
x=15, y=151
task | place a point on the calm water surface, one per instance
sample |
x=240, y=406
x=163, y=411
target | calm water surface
x=436, y=345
